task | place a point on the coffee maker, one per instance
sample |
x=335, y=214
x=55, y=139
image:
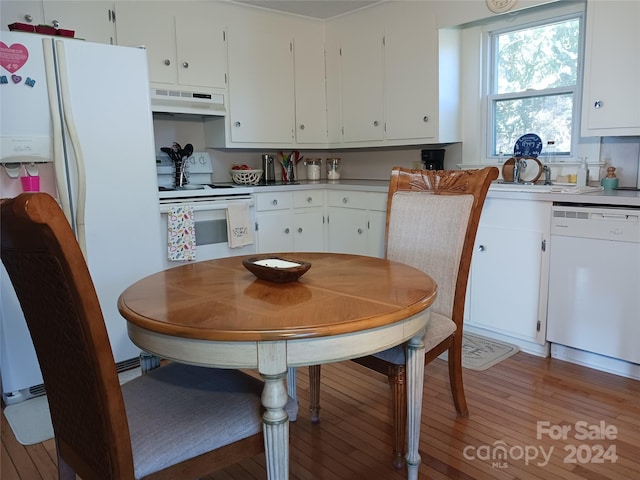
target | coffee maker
x=433, y=159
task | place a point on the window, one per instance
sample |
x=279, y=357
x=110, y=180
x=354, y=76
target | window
x=534, y=84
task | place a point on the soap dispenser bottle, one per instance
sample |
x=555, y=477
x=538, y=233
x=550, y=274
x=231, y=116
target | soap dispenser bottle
x=583, y=173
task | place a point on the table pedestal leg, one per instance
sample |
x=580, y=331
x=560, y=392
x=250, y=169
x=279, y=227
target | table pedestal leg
x=415, y=385
x=276, y=426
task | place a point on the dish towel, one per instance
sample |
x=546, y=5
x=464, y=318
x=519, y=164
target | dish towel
x=181, y=234
x=239, y=231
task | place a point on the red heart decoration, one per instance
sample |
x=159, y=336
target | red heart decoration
x=14, y=57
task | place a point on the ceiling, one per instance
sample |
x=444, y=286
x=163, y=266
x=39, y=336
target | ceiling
x=321, y=9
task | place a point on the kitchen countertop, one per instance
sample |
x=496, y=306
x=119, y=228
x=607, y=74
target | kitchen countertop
x=604, y=197
x=624, y=198
x=342, y=184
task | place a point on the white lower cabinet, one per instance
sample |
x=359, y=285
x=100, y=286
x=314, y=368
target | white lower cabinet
x=508, y=281
x=290, y=221
x=357, y=222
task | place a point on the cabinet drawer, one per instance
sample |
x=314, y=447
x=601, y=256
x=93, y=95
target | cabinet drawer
x=308, y=198
x=348, y=199
x=273, y=201
x=378, y=201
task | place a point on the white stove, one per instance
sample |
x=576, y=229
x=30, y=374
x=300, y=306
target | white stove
x=200, y=185
x=208, y=203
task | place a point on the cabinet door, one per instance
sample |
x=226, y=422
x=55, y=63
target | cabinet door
x=611, y=100
x=411, y=69
x=21, y=11
x=348, y=231
x=155, y=29
x=310, y=93
x=508, y=281
x=362, y=81
x=505, y=281
x=309, y=231
x=275, y=232
x=261, y=88
x=201, y=52
x=92, y=21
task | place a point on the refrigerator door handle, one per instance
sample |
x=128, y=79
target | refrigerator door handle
x=59, y=165
x=69, y=122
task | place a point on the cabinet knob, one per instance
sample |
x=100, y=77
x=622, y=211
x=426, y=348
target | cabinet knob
x=345, y=199
x=425, y=119
x=55, y=23
x=299, y=229
x=28, y=18
x=286, y=230
x=167, y=61
x=302, y=126
x=375, y=123
x=481, y=248
x=185, y=64
x=236, y=124
x=360, y=231
x=309, y=199
x=275, y=202
x=597, y=104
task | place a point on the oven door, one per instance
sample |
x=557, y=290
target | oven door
x=210, y=222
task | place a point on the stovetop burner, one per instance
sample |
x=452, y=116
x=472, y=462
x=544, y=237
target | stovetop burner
x=194, y=187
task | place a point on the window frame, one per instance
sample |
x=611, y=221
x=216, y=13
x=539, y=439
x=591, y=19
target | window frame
x=518, y=21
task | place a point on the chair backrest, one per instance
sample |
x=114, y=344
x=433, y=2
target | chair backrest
x=432, y=220
x=60, y=305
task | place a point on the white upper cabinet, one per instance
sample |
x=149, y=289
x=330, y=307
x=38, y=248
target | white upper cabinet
x=261, y=86
x=91, y=21
x=183, y=48
x=611, y=98
x=411, y=49
x=196, y=67
x=362, y=81
x=21, y=11
x=398, y=77
x=310, y=93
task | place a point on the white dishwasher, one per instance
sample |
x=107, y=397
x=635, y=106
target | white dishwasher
x=594, y=280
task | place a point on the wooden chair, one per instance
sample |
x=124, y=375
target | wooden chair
x=432, y=220
x=176, y=421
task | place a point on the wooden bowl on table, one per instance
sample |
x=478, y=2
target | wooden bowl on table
x=276, y=269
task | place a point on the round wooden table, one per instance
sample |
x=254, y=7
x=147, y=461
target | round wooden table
x=217, y=314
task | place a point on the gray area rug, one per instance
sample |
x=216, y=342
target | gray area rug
x=480, y=353
x=31, y=421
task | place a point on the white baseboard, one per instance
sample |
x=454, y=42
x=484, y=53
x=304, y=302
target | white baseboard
x=595, y=361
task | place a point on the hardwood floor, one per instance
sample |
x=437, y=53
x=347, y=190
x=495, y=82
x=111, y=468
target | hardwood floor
x=506, y=402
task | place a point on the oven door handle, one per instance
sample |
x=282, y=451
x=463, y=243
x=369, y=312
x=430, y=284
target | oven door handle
x=201, y=206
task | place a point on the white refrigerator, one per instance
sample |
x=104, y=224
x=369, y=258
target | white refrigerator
x=78, y=114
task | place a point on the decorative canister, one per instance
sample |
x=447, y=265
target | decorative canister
x=333, y=169
x=610, y=182
x=313, y=168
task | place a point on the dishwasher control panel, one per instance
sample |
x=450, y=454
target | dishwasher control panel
x=617, y=224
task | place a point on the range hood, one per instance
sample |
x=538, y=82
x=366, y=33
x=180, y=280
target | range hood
x=200, y=101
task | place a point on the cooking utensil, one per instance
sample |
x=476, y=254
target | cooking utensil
x=188, y=150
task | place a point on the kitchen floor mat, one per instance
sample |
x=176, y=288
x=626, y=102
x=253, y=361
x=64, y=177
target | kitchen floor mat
x=480, y=353
x=31, y=421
